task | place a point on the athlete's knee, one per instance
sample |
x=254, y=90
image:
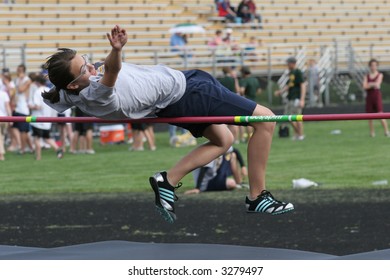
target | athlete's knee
x=220, y=136
x=227, y=140
x=264, y=126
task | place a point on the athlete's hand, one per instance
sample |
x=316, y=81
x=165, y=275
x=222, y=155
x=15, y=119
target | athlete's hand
x=302, y=104
x=117, y=38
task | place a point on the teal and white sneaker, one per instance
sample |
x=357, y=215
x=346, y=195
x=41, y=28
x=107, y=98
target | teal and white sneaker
x=165, y=196
x=266, y=203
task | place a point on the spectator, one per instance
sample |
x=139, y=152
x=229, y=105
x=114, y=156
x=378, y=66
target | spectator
x=244, y=12
x=178, y=43
x=252, y=9
x=5, y=110
x=185, y=139
x=226, y=10
x=4, y=72
x=66, y=132
x=40, y=109
x=314, y=83
x=217, y=40
x=216, y=176
x=296, y=94
x=173, y=132
x=230, y=81
x=7, y=85
x=20, y=129
x=372, y=84
x=141, y=131
x=223, y=46
x=250, y=48
x=249, y=85
x=83, y=134
x=229, y=40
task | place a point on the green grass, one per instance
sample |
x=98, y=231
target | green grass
x=351, y=159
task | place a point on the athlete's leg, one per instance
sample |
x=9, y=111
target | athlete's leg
x=220, y=140
x=259, y=147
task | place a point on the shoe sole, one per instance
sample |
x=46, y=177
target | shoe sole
x=273, y=214
x=167, y=215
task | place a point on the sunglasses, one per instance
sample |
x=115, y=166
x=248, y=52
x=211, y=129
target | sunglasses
x=83, y=69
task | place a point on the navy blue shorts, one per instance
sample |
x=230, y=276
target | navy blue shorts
x=205, y=96
x=21, y=126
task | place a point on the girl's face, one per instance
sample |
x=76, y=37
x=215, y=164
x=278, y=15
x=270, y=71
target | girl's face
x=82, y=70
x=373, y=66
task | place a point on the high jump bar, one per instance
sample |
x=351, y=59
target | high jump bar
x=208, y=119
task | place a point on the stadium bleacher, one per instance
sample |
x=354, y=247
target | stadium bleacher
x=42, y=26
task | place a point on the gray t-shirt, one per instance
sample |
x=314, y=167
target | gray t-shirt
x=138, y=92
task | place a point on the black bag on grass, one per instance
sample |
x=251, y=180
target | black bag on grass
x=284, y=131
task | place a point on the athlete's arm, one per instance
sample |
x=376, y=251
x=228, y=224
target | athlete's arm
x=113, y=62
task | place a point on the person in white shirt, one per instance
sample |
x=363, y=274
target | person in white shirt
x=20, y=129
x=8, y=86
x=40, y=109
x=5, y=110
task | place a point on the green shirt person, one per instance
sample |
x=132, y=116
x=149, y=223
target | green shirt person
x=229, y=80
x=296, y=94
x=249, y=85
x=294, y=83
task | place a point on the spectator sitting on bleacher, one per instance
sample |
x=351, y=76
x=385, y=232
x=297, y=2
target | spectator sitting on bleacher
x=229, y=40
x=217, y=40
x=252, y=8
x=222, y=174
x=178, y=43
x=226, y=10
x=244, y=12
x=225, y=51
x=250, y=48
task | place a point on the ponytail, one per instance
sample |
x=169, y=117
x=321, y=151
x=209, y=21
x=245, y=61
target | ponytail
x=53, y=95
